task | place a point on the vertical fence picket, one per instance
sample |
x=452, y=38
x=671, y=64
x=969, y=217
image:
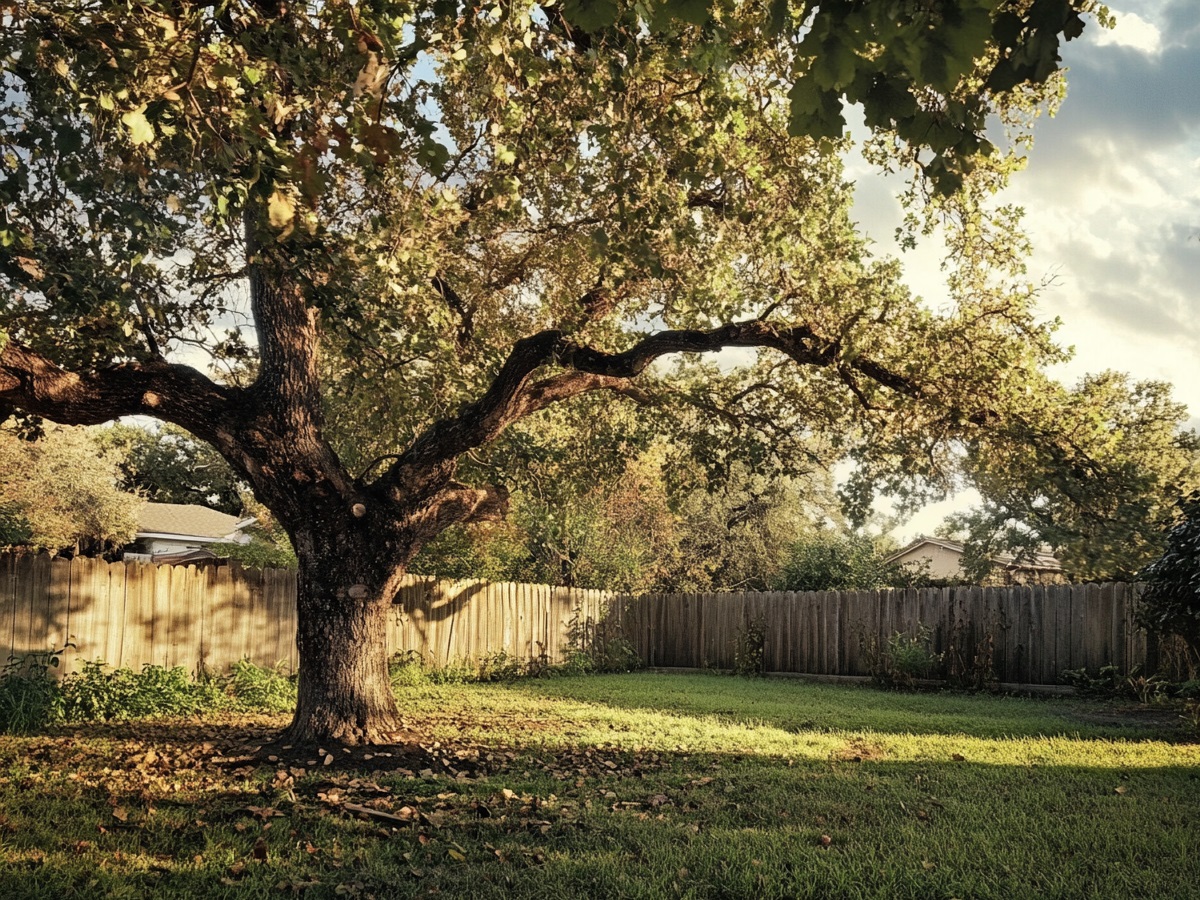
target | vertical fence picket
x=1062, y=629
x=22, y=642
x=118, y=608
x=1104, y=627
x=1041, y=639
x=1116, y=626
x=1083, y=626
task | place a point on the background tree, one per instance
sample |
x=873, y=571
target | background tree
x=1171, y=602
x=1094, y=473
x=60, y=493
x=465, y=215
x=735, y=535
x=168, y=465
x=830, y=560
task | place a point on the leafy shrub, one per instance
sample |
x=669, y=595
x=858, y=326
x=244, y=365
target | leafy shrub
x=1111, y=682
x=499, y=666
x=593, y=649
x=96, y=692
x=749, y=650
x=967, y=667
x=614, y=655
x=30, y=699
x=1191, y=714
x=257, y=688
x=903, y=660
x=1188, y=690
x=407, y=669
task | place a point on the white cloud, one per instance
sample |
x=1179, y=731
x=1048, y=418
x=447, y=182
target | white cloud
x=1131, y=31
x=1112, y=200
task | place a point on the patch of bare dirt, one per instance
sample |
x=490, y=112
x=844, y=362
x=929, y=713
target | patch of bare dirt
x=859, y=750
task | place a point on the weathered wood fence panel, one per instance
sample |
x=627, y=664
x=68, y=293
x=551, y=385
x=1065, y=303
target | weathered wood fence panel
x=136, y=613
x=1025, y=634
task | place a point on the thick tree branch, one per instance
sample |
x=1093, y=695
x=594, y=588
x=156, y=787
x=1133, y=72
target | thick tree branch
x=458, y=503
x=180, y=394
x=288, y=383
x=425, y=466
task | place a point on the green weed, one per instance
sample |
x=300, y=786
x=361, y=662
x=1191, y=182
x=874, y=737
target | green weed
x=257, y=688
x=29, y=696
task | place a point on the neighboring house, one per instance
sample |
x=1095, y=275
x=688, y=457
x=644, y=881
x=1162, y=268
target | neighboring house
x=942, y=559
x=179, y=532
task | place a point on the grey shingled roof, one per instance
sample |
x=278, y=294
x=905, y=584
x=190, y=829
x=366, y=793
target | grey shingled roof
x=1043, y=559
x=183, y=518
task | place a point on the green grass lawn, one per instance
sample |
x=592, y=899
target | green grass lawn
x=623, y=786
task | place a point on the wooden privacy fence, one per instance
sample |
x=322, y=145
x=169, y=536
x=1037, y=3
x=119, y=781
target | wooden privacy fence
x=1028, y=634
x=129, y=614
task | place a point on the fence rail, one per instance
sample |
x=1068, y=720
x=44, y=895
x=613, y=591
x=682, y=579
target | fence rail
x=130, y=614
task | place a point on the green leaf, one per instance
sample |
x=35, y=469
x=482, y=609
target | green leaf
x=693, y=11
x=888, y=101
x=591, y=15
x=834, y=66
x=433, y=156
x=814, y=112
x=140, y=129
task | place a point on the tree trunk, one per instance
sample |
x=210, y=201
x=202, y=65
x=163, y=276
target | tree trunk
x=344, y=692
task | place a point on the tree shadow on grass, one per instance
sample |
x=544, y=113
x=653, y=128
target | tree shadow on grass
x=579, y=822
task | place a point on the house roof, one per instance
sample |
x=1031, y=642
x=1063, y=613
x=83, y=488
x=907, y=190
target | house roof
x=1043, y=559
x=189, y=520
x=184, y=557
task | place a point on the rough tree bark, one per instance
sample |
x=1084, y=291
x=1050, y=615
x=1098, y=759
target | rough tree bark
x=344, y=596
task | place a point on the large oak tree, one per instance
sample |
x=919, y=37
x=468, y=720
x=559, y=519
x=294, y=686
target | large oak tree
x=440, y=218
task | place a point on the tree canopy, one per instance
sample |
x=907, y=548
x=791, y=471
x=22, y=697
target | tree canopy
x=1092, y=472
x=1171, y=604
x=168, y=465
x=61, y=493
x=407, y=226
